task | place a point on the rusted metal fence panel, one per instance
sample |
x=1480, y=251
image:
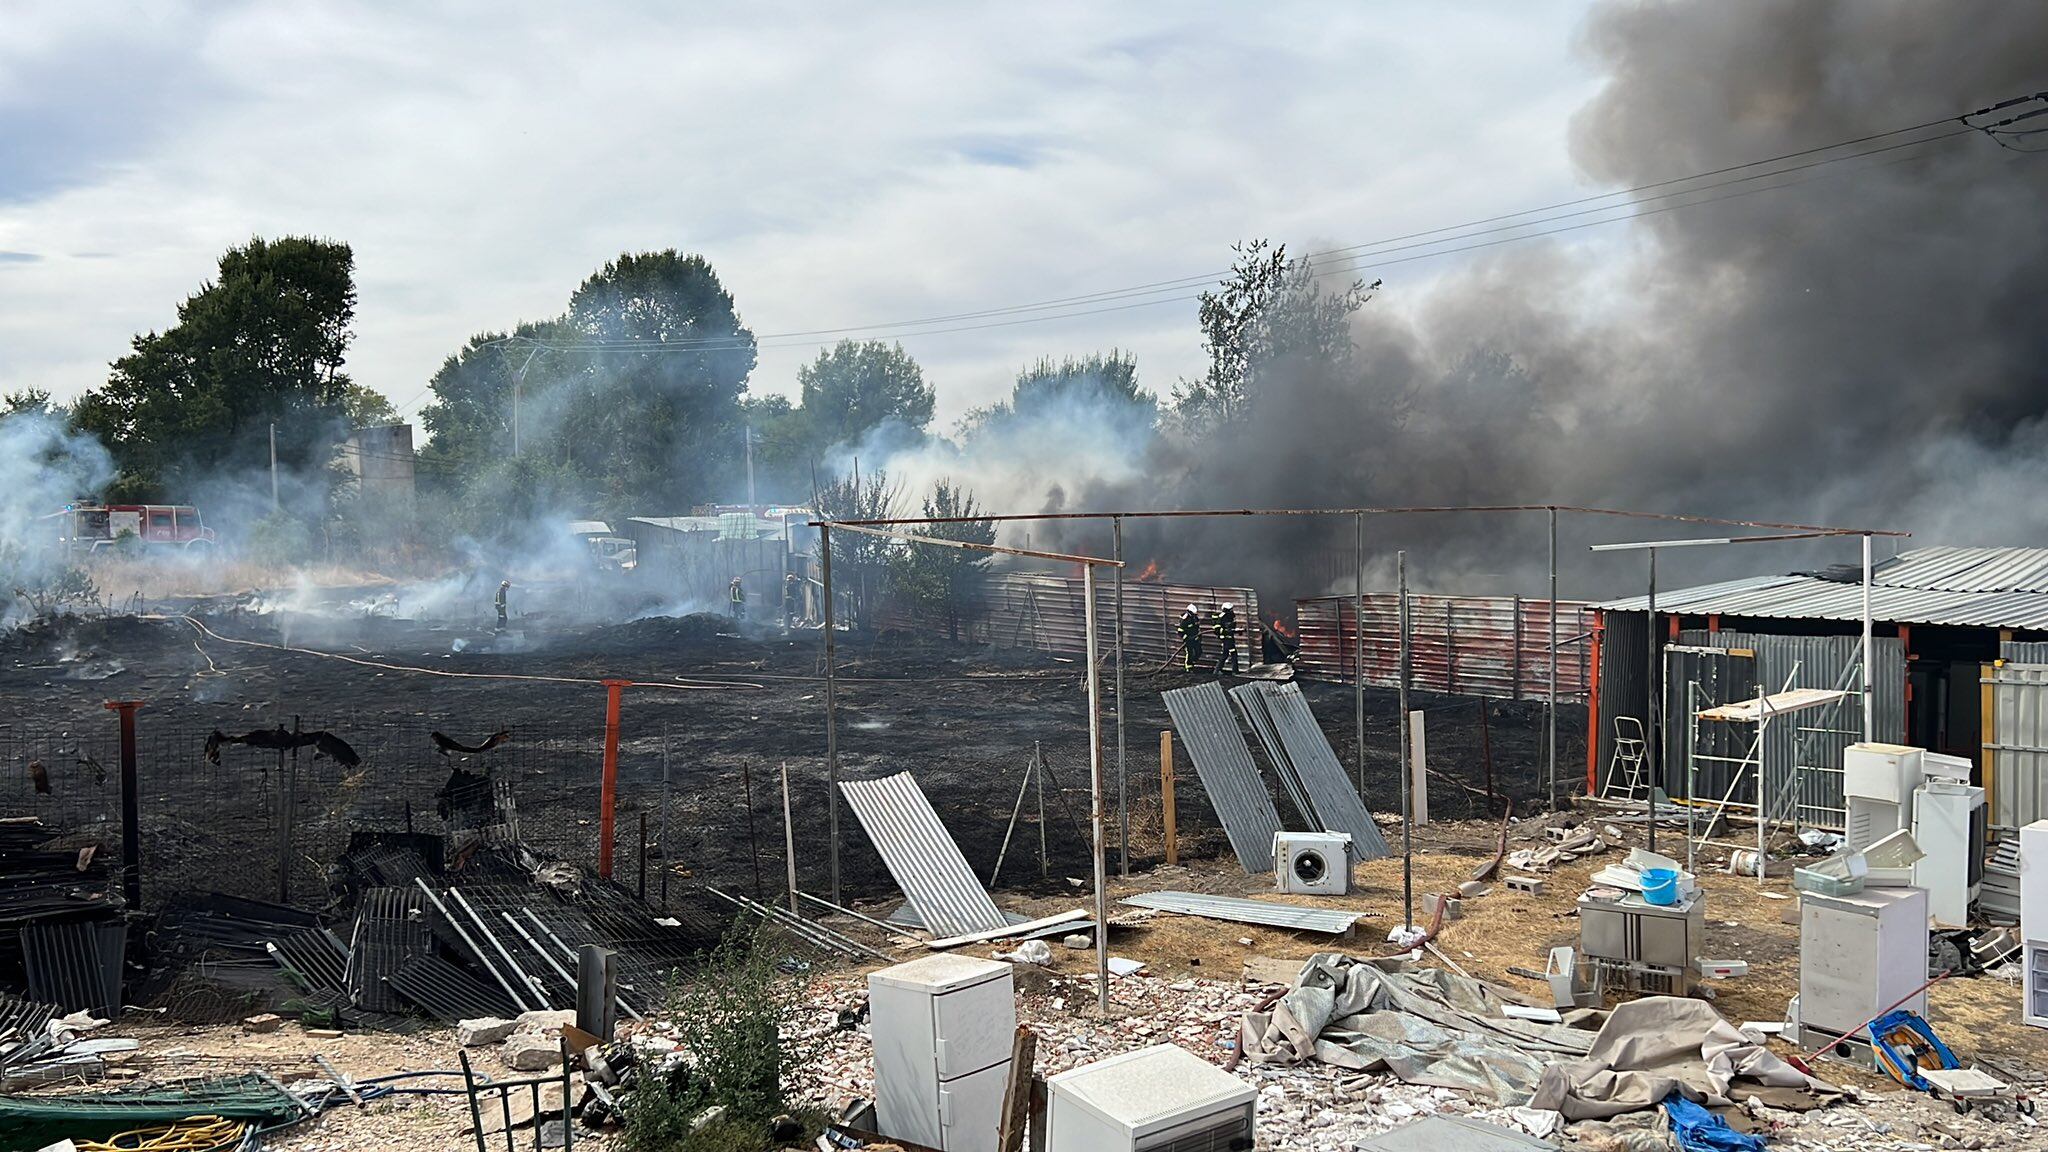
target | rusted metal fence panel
x=1046, y=613
x=1495, y=646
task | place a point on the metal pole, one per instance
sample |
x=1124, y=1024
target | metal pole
x=131, y=806
x=1868, y=726
x=831, y=720
x=1095, y=790
x=519, y=383
x=1650, y=700
x=1407, y=800
x=1358, y=645
x=753, y=840
x=750, y=468
x=665, y=869
x=1123, y=804
x=1550, y=719
x=287, y=797
x=1692, y=745
x=273, y=466
x=1038, y=781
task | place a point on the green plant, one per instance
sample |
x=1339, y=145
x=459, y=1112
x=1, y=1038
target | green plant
x=736, y=1018
x=656, y=1114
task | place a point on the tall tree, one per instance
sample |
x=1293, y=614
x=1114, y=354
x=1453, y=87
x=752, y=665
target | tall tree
x=857, y=386
x=264, y=342
x=948, y=582
x=859, y=561
x=1100, y=388
x=1268, y=311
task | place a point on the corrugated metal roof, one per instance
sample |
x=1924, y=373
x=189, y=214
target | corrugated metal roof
x=921, y=855
x=1214, y=742
x=1983, y=587
x=1270, y=913
x=1315, y=764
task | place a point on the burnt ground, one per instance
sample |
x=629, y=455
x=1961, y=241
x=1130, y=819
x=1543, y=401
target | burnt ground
x=963, y=719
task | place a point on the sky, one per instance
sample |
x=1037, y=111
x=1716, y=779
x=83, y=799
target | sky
x=840, y=165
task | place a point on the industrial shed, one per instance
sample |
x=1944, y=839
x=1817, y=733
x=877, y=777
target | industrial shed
x=1960, y=661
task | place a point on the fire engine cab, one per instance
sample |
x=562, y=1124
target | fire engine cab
x=96, y=526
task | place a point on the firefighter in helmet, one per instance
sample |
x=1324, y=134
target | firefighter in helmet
x=1226, y=638
x=504, y=618
x=736, y=598
x=1190, y=629
x=792, y=598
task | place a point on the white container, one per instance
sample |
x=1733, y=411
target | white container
x=1948, y=826
x=1312, y=863
x=943, y=1027
x=1881, y=772
x=1859, y=955
x=2034, y=881
x=1153, y=1098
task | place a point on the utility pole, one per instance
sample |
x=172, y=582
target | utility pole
x=750, y=468
x=273, y=466
x=519, y=384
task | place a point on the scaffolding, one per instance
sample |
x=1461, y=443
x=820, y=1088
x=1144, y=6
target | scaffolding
x=1757, y=713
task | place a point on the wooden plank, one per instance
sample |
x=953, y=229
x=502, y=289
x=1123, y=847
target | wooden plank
x=1166, y=796
x=1027, y=927
x=1017, y=1092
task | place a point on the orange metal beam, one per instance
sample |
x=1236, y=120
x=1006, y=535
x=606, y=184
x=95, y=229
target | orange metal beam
x=608, y=790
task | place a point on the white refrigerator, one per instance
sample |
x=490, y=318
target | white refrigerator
x=943, y=1027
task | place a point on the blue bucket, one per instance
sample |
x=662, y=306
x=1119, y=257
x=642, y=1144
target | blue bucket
x=1660, y=885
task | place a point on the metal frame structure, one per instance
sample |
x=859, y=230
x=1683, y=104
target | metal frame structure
x=1759, y=711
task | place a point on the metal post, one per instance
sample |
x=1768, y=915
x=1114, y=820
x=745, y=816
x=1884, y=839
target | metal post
x=789, y=842
x=1407, y=801
x=1868, y=700
x=1650, y=700
x=1095, y=790
x=287, y=795
x=1123, y=803
x=1692, y=745
x=608, y=787
x=273, y=466
x=753, y=841
x=1358, y=644
x=1550, y=717
x=750, y=469
x=642, y=884
x=831, y=721
x=518, y=384
x=665, y=868
x=131, y=806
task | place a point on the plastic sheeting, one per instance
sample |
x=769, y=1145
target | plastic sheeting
x=1653, y=1047
x=1424, y=1025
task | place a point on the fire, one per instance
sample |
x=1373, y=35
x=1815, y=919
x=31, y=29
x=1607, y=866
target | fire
x=1150, y=573
x=1281, y=627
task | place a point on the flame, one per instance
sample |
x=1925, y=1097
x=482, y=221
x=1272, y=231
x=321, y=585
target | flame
x=1150, y=573
x=1281, y=627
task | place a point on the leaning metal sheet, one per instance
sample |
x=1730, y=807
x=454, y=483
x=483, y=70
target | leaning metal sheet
x=921, y=855
x=1270, y=913
x=1252, y=706
x=1215, y=743
x=1338, y=807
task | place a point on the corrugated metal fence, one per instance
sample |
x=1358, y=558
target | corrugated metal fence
x=2016, y=734
x=1494, y=646
x=1048, y=613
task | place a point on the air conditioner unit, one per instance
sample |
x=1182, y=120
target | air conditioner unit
x=1312, y=863
x=1158, y=1099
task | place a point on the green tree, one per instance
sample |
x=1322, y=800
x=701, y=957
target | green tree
x=1100, y=387
x=859, y=561
x=264, y=342
x=857, y=386
x=28, y=401
x=950, y=583
x=1269, y=311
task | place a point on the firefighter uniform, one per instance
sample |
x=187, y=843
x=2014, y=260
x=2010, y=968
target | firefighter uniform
x=1226, y=637
x=792, y=599
x=736, y=596
x=504, y=617
x=1190, y=629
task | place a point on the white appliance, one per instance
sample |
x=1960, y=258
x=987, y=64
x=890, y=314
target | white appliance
x=1877, y=787
x=1948, y=825
x=1858, y=955
x=1312, y=863
x=942, y=1028
x=1152, y=1100
x=2034, y=922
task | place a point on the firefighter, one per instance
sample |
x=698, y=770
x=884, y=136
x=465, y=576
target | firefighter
x=1190, y=629
x=792, y=599
x=504, y=618
x=736, y=596
x=1226, y=636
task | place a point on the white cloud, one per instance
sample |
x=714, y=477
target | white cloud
x=839, y=165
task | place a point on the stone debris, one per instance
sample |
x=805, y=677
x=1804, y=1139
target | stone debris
x=484, y=1031
x=265, y=1023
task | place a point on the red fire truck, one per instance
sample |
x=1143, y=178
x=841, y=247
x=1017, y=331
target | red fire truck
x=92, y=527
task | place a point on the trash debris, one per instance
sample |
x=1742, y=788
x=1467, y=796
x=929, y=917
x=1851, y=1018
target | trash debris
x=1031, y=952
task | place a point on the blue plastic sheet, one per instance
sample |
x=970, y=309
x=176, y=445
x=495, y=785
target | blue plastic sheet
x=1699, y=1130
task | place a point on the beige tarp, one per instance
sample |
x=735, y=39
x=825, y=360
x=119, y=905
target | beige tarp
x=1649, y=1048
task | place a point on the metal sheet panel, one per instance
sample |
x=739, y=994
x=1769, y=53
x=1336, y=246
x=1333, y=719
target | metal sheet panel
x=1315, y=763
x=2016, y=743
x=1493, y=646
x=1968, y=569
x=1269, y=913
x=1806, y=597
x=1252, y=707
x=921, y=855
x=1214, y=742
x=1047, y=613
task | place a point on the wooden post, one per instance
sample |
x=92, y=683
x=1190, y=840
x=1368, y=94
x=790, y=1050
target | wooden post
x=789, y=841
x=1166, y=795
x=1017, y=1093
